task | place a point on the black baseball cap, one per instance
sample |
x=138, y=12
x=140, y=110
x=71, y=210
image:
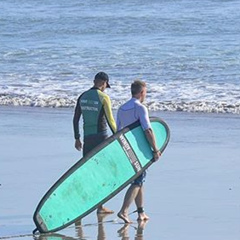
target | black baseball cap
x=102, y=76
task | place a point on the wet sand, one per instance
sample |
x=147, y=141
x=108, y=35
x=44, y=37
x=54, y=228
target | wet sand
x=192, y=192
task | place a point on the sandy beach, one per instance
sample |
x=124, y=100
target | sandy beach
x=192, y=192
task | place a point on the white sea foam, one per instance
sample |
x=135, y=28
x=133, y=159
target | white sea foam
x=171, y=96
x=197, y=106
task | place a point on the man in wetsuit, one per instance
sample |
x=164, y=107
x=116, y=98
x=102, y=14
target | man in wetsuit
x=95, y=107
x=130, y=112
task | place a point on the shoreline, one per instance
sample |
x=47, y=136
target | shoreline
x=168, y=106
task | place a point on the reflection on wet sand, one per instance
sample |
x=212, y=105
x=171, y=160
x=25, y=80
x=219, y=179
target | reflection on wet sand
x=100, y=234
x=52, y=236
x=123, y=232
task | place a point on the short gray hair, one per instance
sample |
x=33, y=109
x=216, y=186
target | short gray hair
x=137, y=86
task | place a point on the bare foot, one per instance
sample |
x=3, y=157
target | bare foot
x=124, y=217
x=103, y=210
x=142, y=217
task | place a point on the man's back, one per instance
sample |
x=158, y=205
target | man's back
x=95, y=107
x=131, y=112
x=91, y=103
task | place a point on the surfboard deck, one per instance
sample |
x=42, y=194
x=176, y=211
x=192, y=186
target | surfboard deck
x=99, y=176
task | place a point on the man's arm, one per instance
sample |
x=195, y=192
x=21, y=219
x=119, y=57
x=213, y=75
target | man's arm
x=146, y=125
x=151, y=139
x=108, y=112
x=76, y=118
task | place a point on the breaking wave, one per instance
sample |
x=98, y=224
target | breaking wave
x=182, y=106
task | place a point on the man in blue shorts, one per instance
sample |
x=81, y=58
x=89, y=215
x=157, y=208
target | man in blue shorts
x=130, y=112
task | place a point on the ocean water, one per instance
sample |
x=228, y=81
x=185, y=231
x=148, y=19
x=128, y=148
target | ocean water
x=188, y=51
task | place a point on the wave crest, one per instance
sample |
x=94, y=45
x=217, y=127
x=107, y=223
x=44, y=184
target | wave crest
x=183, y=106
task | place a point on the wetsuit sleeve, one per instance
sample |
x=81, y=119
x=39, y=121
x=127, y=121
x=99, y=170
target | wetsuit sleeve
x=76, y=118
x=144, y=118
x=108, y=112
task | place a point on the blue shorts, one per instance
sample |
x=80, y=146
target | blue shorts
x=140, y=179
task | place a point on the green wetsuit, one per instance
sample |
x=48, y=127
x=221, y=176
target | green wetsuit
x=95, y=108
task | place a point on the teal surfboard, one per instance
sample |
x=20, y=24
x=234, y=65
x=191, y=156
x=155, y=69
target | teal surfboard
x=99, y=176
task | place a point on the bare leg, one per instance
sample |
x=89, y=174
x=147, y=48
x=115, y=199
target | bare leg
x=139, y=203
x=130, y=195
x=139, y=198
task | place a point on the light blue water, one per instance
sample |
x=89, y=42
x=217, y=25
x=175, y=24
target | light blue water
x=187, y=51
